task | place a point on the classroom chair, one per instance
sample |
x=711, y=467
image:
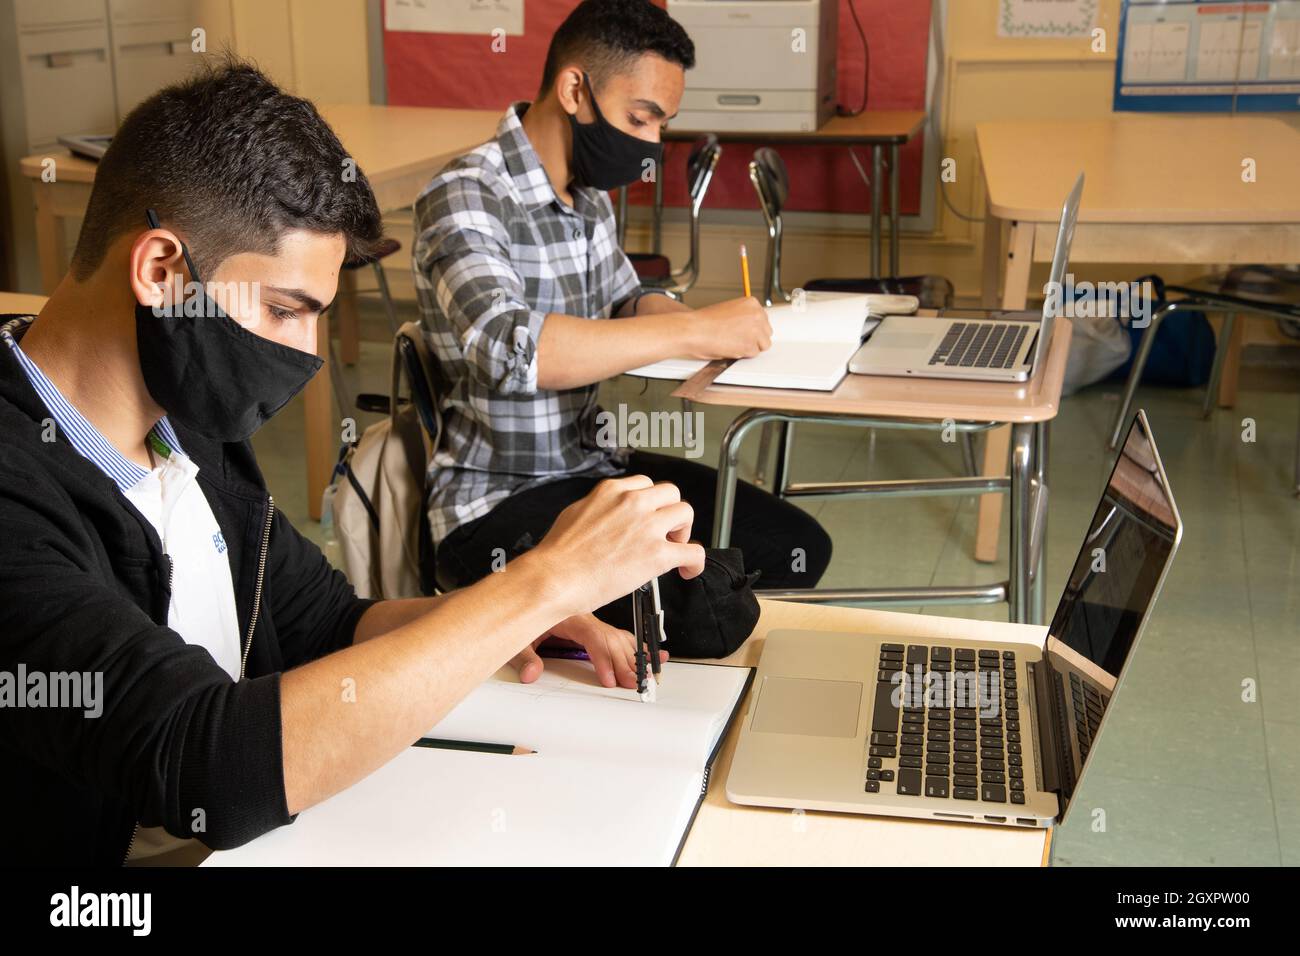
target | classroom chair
x=771, y=182
x=655, y=269
x=1247, y=290
x=424, y=383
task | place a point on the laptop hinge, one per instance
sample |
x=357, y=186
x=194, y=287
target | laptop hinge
x=1048, y=718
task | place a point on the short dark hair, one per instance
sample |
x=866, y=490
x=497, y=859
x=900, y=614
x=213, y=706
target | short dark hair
x=231, y=162
x=607, y=35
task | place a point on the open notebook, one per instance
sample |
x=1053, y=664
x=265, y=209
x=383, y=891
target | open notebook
x=811, y=343
x=614, y=781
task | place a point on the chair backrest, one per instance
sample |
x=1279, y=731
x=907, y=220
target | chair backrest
x=772, y=184
x=774, y=178
x=700, y=165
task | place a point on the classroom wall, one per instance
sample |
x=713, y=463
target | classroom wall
x=985, y=77
x=315, y=48
x=454, y=71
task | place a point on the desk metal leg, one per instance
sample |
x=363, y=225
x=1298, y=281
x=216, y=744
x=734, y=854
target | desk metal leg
x=877, y=198
x=1221, y=351
x=1135, y=371
x=785, y=442
x=724, y=502
x=894, y=215
x=1022, y=473
x=1038, y=555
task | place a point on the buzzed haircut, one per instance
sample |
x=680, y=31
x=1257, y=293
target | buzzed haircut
x=607, y=36
x=232, y=163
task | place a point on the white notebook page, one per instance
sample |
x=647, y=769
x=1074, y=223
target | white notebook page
x=614, y=781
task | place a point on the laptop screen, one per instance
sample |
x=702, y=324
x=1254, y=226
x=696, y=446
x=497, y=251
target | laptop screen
x=1111, y=590
x=1120, y=566
x=1060, y=261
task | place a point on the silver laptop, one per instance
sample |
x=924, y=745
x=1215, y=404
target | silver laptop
x=988, y=346
x=962, y=728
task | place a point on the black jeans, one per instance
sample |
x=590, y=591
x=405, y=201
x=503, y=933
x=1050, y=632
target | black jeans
x=785, y=543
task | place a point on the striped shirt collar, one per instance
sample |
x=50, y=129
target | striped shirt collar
x=82, y=435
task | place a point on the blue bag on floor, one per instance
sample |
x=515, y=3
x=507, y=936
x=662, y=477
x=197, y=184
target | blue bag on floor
x=1183, y=351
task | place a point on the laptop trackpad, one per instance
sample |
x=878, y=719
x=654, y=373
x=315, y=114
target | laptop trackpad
x=902, y=340
x=813, y=708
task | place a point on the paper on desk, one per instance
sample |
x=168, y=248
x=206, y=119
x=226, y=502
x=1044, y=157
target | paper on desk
x=455, y=808
x=567, y=712
x=811, y=346
x=614, y=781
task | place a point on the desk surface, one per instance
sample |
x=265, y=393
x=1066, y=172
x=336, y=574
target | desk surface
x=874, y=127
x=725, y=834
x=901, y=397
x=1143, y=169
x=388, y=142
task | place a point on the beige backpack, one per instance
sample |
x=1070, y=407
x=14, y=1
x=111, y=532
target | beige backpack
x=377, y=501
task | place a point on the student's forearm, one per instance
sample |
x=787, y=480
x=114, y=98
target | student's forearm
x=574, y=352
x=652, y=303
x=387, y=616
x=347, y=714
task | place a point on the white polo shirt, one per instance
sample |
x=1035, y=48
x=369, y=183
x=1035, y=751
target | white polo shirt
x=202, y=609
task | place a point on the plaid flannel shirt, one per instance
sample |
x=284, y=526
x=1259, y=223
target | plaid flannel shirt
x=495, y=251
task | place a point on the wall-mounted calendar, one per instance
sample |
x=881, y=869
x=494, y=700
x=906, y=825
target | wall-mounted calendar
x=1200, y=56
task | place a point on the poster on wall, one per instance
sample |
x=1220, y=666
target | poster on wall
x=1046, y=18
x=1188, y=56
x=455, y=16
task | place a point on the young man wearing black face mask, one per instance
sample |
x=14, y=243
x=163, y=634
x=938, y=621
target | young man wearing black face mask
x=175, y=659
x=518, y=270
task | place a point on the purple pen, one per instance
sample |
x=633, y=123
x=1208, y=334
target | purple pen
x=563, y=653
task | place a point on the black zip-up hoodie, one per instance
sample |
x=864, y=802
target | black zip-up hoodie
x=84, y=588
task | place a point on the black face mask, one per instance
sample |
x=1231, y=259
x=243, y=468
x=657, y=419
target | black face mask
x=605, y=157
x=210, y=373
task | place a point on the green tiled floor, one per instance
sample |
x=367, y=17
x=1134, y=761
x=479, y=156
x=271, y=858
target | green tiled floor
x=1190, y=772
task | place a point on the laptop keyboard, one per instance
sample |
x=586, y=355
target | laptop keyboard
x=1089, y=705
x=956, y=736
x=981, y=344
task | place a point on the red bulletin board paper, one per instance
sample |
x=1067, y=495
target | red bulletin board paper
x=458, y=70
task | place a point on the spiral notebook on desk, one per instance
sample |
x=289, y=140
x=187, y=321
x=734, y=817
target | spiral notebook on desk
x=812, y=343
x=613, y=782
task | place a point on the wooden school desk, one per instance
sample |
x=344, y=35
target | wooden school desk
x=1159, y=189
x=726, y=834
x=878, y=129
x=914, y=404
x=399, y=148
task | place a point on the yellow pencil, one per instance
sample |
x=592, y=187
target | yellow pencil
x=744, y=268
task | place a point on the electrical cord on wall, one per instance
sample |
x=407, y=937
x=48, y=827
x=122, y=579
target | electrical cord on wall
x=931, y=120
x=866, y=65
x=943, y=186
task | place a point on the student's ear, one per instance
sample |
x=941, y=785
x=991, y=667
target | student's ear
x=572, y=94
x=155, y=262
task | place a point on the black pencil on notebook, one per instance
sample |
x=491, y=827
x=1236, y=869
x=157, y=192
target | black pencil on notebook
x=472, y=745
